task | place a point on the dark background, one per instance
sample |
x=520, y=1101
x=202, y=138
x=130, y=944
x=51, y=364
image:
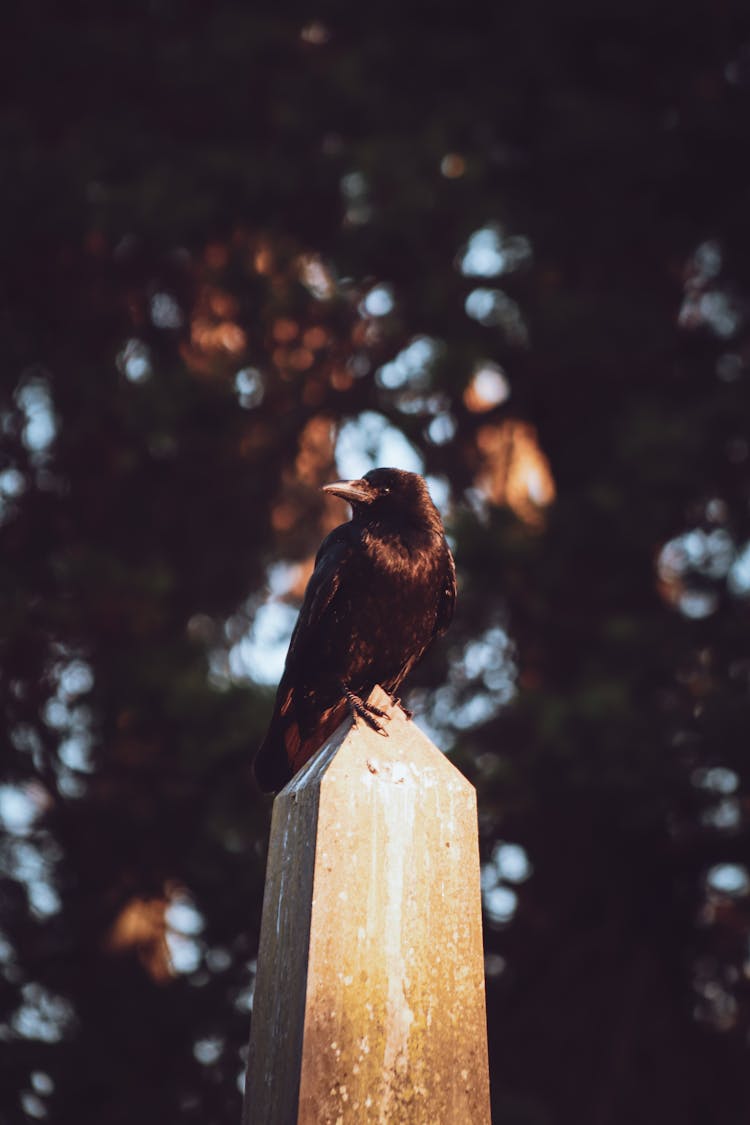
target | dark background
x=193, y=190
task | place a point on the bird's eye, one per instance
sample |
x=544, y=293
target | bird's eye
x=386, y=490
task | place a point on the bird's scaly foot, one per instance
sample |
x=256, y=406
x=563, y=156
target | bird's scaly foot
x=366, y=711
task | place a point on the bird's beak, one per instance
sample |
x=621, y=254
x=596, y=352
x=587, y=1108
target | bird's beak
x=353, y=491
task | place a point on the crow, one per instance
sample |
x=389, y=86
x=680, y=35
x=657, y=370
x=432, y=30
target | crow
x=383, y=588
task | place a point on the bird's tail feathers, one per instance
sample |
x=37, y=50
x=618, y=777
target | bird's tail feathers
x=284, y=751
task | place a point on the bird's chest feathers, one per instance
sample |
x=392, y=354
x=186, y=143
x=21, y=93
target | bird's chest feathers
x=385, y=612
x=398, y=565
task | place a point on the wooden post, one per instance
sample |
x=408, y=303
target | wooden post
x=369, y=999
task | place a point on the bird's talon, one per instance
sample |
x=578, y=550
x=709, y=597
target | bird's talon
x=367, y=711
x=371, y=721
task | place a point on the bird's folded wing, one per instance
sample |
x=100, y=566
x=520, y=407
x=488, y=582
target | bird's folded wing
x=325, y=581
x=448, y=599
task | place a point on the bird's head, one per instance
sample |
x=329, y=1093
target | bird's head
x=391, y=495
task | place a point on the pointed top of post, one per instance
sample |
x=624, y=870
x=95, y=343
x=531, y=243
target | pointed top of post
x=406, y=757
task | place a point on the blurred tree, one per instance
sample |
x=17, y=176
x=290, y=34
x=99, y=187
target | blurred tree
x=247, y=250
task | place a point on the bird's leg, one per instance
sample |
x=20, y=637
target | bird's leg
x=366, y=711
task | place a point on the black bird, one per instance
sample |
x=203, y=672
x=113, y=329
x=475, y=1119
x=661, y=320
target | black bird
x=383, y=587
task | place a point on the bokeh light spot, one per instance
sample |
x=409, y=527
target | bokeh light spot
x=729, y=878
x=250, y=388
x=134, y=361
x=379, y=301
x=488, y=253
x=488, y=388
x=371, y=441
x=453, y=166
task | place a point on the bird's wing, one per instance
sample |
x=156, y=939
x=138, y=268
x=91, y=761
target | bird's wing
x=286, y=748
x=325, y=580
x=448, y=597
